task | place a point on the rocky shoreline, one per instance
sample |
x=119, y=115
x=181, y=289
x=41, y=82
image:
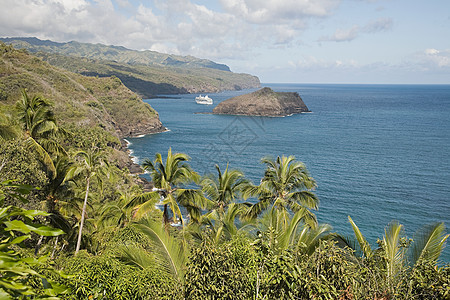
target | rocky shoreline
x=134, y=168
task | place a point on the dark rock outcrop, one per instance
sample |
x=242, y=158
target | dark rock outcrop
x=264, y=102
x=140, y=127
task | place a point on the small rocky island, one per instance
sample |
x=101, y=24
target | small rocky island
x=264, y=102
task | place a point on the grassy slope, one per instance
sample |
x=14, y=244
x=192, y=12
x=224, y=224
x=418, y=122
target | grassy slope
x=78, y=99
x=147, y=73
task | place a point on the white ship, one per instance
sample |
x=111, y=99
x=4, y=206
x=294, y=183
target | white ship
x=203, y=100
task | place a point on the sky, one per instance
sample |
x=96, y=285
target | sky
x=280, y=41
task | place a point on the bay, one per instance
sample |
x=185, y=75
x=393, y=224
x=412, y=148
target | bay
x=378, y=152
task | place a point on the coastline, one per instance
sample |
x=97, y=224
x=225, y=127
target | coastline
x=133, y=161
x=134, y=167
x=248, y=115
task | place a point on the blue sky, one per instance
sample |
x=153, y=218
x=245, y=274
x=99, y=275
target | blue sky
x=296, y=41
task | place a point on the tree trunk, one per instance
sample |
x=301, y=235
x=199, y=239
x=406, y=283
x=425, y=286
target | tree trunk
x=54, y=247
x=38, y=245
x=166, y=218
x=82, y=216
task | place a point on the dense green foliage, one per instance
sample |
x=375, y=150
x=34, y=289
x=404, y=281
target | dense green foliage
x=105, y=231
x=106, y=277
x=18, y=275
x=221, y=271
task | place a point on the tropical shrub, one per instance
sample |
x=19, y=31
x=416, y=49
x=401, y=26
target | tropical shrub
x=325, y=274
x=427, y=281
x=106, y=277
x=225, y=271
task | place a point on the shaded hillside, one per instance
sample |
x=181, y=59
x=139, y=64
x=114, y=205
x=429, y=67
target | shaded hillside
x=147, y=73
x=80, y=100
x=264, y=102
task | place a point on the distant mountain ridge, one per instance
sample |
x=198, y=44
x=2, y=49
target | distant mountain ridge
x=147, y=73
x=113, y=53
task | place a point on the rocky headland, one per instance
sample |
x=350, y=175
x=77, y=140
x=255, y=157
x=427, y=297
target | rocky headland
x=264, y=102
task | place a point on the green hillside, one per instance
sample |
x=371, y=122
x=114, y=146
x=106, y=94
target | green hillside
x=147, y=73
x=78, y=99
x=114, y=53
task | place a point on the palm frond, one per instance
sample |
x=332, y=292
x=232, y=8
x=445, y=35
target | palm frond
x=428, y=243
x=363, y=244
x=288, y=234
x=153, y=197
x=306, y=198
x=255, y=209
x=309, y=238
x=192, y=197
x=43, y=155
x=394, y=253
x=135, y=255
x=7, y=131
x=169, y=254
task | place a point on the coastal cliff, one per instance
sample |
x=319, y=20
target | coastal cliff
x=264, y=102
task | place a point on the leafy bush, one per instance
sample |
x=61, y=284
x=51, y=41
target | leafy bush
x=427, y=281
x=224, y=271
x=105, y=277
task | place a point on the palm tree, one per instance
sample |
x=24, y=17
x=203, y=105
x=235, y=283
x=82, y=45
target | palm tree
x=168, y=177
x=54, y=191
x=222, y=191
x=286, y=186
x=281, y=231
x=92, y=165
x=219, y=226
x=40, y=128
x=115, y=213
x=36, y=115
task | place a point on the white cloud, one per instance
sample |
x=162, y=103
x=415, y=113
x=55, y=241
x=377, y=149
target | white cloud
x=347, y=35
x=431, y=51
x=278, y=11
x=342, y=35
x=309, y=62
x=379, y=25
x=177, y=26
x=435, y=59
x=427, y=66
x=124, y=3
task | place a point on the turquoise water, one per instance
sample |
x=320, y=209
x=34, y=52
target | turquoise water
x=378, y=152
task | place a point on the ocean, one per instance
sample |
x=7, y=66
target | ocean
x=377, y=152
